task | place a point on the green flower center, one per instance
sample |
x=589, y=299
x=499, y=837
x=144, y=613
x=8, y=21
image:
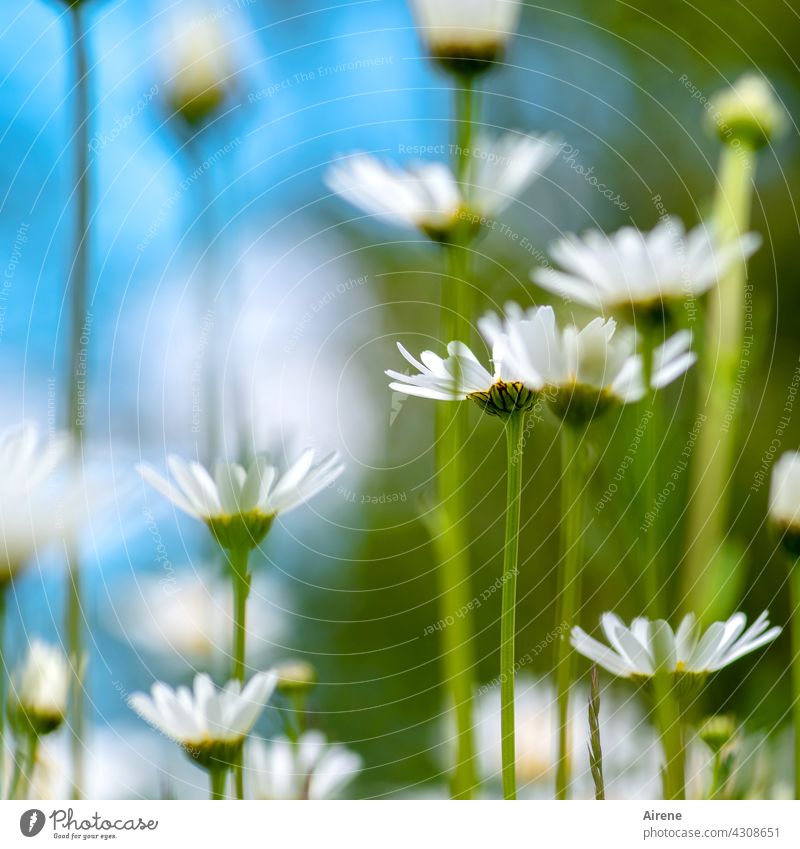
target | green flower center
x=503, y=399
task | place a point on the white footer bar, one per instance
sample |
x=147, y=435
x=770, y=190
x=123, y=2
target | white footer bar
x=401, y=824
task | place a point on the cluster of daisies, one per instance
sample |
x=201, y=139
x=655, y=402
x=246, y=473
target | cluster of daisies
x=639, y=282
x=44, y=501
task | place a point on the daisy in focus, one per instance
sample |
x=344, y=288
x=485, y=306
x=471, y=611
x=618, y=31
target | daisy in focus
x=239, y=505
x=637, y=652
x=582, y=371
x=466, y=36
x=646, y=273
x=426, y=196
x=461, y=375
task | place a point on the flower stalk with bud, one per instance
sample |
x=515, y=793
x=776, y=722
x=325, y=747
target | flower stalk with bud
x=748, y=116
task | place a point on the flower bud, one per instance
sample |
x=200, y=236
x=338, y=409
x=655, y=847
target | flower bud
x=295, y=677
x=502, y=398
x=38, y=699
x=749, y=112
x=201, y=72
x=784, y=501
x=717, y=731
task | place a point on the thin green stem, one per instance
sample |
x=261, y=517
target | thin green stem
x=24, y=764
x=3, y=675
x=569, y=583
x=652, y=579
x=241, y=591
x=717, y=777
x=465, y=117
x=794, y=600
x=515, y=441
x=78, y=377
x=216, y=777
x=721, y=371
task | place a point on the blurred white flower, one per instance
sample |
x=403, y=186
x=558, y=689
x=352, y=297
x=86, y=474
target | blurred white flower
x=784, y=500
x=630, y=746
x=502, y=167
x=426, y=195
x=310, y=768
x=188, y=619
x=643, y=271
x=749, y=111
x=637, y=652
x=209, y=723
x=466, y=35
x=461, y=376
x=423, y=195
x=240, y=505
x=41, y=496
x=39, y=689
x=583, y=370
x=199, y=67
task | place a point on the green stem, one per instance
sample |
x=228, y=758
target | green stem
x=78, y=376
x=794, y=600
x=717, y=778
x=514, y=438
x=24, y=764
x=571, y=537
x=450, y=537
x=668, y=718
x=652, y=579
x=3, y=675
x=465, y=109
x=216, y=776
x=720, y=373
x=241, y=591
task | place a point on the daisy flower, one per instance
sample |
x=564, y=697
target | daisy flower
x=311, y=768
x=784, y=500
x=461, y=375
x=581, y=370
x=210, y=724
x=645, y=272
x=426, y=196
x=237, y=504
x=38, y=699
x=686, y=652
x=466, y=36
x=39, y=501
